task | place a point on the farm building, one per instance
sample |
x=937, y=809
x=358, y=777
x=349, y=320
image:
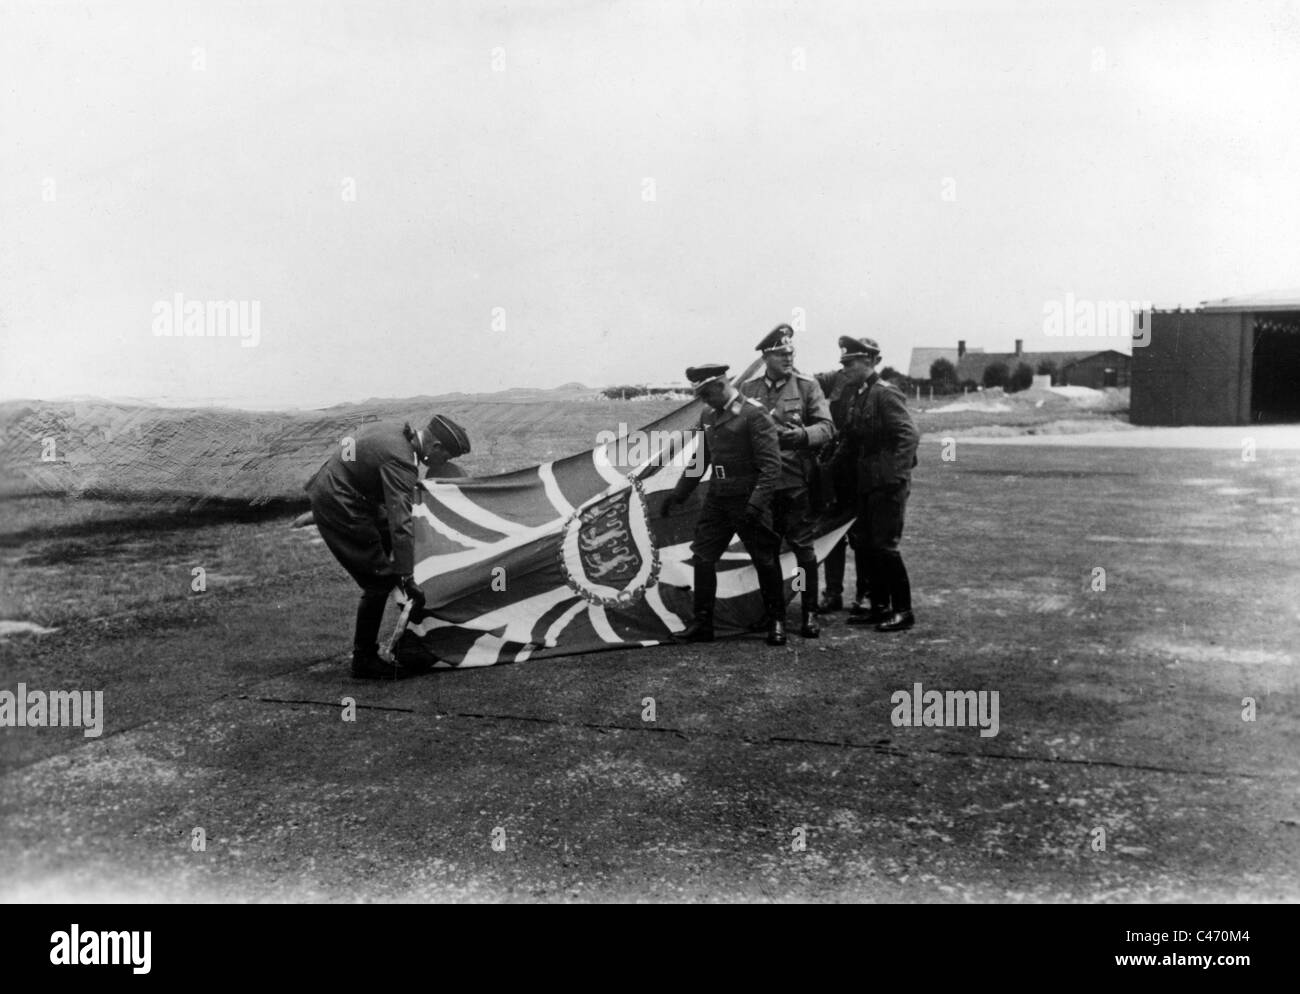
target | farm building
x=1228, y=362
x=1082, y=368
x=1098, y=370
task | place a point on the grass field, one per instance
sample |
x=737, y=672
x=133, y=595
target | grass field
x=1120, y=710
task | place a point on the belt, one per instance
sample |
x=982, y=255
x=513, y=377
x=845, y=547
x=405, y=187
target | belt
x=729, y=485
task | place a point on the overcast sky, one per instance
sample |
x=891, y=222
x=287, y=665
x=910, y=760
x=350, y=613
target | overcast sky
x=636, y=186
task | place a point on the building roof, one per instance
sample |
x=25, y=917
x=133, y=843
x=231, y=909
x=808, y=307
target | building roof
x=1269, y=300
x=1092, y=355
x=923, y=357
x=971, y=367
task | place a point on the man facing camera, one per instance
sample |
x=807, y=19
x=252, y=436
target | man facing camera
x=803, y=423
x=880, y=442
x=361, y=500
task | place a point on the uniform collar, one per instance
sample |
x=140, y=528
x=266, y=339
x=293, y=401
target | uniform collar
x=731, y=407
x=775, y=384
x=870, y=380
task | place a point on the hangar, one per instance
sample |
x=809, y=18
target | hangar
x=1234, y=361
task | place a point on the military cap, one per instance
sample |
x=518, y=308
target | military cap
x=450, y=434
x=702, y=375
x=858, y=348
x=779, y=339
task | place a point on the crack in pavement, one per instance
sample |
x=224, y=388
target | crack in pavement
x=876, y=747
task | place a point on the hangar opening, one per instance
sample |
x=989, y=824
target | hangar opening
x=1275, y=373
x=1234, y=361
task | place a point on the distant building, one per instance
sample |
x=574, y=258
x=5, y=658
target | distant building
x=1098, y=370
x=1234, y=361
x=1083, y=368
x=923, y=358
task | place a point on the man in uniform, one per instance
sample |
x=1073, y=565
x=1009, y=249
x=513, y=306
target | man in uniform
x=803, y=421
x=361, y=500
x=740, y=445
x=881, y=440
x=840, y=487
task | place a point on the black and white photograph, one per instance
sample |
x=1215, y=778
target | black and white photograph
x=691, y=452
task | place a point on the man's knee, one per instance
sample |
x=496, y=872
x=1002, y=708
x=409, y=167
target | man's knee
x=707, y=552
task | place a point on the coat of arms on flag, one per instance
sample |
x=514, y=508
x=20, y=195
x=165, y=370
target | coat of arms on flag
x=573, y=556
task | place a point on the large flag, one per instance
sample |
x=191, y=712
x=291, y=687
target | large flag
x=574, y=556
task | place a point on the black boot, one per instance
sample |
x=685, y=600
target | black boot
x=367, y=664
x=830, y=603
x=370, y=615
x=706, y=593
x=866, y=613
x=900, y=621
x=832, y=598
x=810, y=629
x=776, y=631
x=700, y=629
x=876, y=607
x=900, y=618
x=772, y=586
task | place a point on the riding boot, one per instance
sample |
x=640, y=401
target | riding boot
x=370, y=615
x=834, y=590
x=772, y=586
x=809, y=628
x=705, y=595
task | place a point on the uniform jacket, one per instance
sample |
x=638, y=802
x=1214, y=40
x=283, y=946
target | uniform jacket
x=740, y=444
x=838, y=394
x=879, y=436
x=795, y=402
x=379, y=483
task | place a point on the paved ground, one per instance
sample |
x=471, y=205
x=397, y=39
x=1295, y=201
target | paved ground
x=1119, y=710
x=1118, y=435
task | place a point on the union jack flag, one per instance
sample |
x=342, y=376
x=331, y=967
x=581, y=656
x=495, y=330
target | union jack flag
x=573, y=556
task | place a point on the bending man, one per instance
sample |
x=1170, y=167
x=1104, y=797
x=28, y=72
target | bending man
x=361, y=500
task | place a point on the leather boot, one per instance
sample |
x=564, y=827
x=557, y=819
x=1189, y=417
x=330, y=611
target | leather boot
x=367, y=664
x=830, y=603
x=772, y=587
x=810, y=629
x=705, y=595
x=900, y=621
x=776, y=631
x=871, y=615
x=864, y=612
x=700, y=629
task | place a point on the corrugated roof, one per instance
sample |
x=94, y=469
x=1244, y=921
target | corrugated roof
x=1269, y=300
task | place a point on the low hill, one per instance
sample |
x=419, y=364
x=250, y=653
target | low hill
x=102, y=448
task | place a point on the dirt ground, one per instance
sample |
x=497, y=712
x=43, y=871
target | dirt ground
x=1120, y=710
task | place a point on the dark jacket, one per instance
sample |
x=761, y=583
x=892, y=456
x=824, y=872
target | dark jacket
x=838, y=394
x=741, y=446
x=795, y=402
x=879, y=436
x=379, y=484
